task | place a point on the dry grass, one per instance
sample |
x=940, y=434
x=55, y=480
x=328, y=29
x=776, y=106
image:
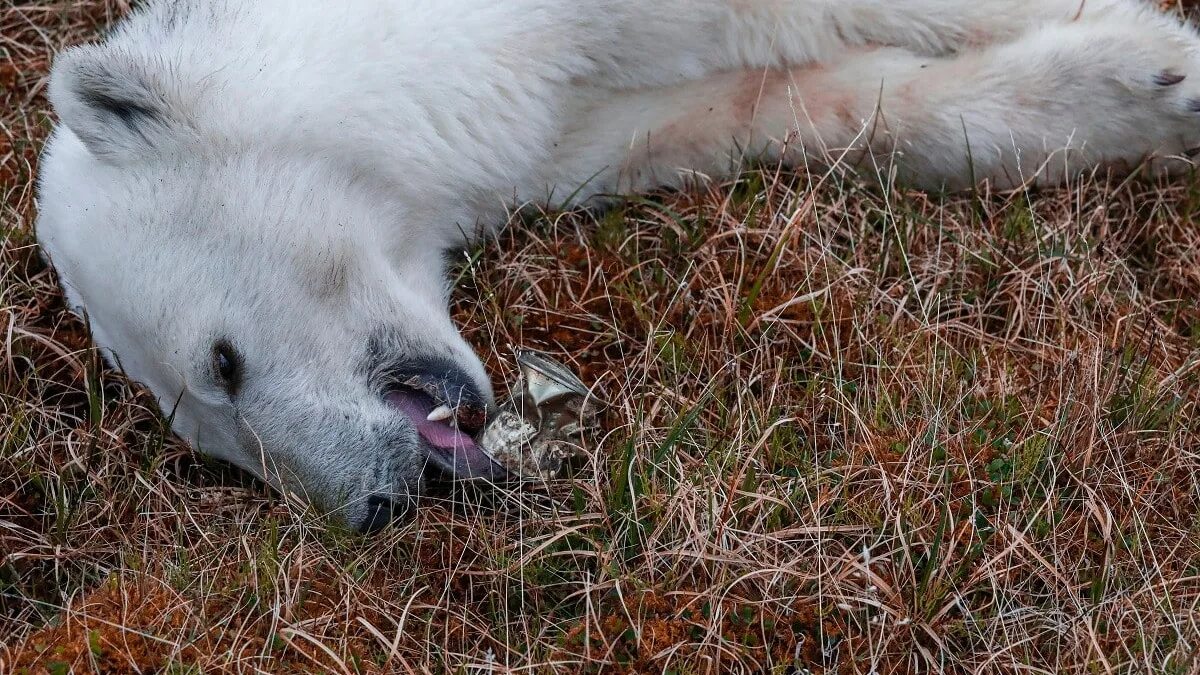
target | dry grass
x=856, y=430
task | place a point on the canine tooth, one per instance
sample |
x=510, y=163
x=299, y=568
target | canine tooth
x=440, y=414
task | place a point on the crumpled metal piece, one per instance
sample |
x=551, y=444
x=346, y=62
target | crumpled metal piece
x=544, y=420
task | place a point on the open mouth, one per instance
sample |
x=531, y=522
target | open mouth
x=447, y=417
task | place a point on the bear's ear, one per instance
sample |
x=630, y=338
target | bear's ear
x=111, y=102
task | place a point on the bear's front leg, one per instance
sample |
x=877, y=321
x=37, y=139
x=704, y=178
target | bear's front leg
x=1061, y=100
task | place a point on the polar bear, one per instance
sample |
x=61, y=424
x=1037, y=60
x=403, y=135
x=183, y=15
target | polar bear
x=251, y=201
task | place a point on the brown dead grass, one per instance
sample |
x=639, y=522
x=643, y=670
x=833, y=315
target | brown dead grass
x=855, y=430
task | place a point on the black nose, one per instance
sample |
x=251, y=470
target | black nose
x=381, y=511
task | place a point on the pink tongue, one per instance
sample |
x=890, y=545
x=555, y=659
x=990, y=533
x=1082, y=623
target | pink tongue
x=467, y=459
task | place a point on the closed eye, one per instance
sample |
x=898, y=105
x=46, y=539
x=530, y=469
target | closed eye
x=227, y=366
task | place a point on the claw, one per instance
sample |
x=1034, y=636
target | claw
x=1169, y=78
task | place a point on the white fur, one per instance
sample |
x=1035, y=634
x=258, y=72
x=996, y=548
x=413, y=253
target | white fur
x=288, y=174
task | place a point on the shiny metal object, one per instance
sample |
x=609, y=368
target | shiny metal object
x=543, y=421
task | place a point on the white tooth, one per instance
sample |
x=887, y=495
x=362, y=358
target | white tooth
x=440, y=414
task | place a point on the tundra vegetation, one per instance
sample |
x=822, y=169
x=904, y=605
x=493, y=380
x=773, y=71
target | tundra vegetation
x=854, y=428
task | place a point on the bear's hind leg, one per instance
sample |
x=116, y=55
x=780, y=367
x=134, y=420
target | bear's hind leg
x=670, y=41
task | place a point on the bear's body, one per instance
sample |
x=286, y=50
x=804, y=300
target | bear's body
x=252, y=201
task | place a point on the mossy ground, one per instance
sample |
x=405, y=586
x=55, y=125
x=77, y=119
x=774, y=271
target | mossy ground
x=855, y=429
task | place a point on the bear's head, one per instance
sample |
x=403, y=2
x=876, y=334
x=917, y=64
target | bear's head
x=283, y=311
